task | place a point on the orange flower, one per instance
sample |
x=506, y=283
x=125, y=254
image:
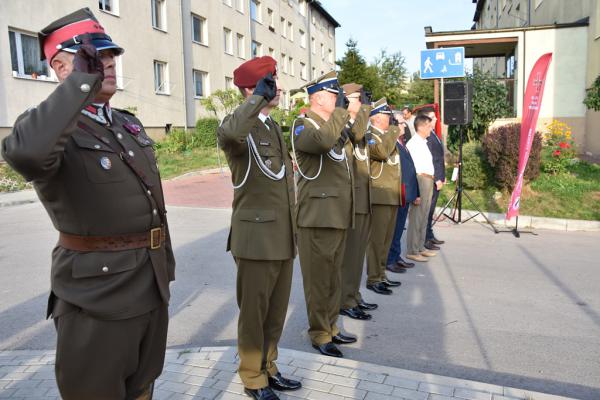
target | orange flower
x=564, y=145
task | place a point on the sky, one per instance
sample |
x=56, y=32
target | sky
x=396, y=25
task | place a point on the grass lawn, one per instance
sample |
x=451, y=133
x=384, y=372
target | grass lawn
x=573, y=195
x=174, y=164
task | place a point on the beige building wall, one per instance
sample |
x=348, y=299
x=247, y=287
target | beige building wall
x=130, y=25
x=576, y=62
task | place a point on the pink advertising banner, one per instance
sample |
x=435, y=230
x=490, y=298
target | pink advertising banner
x=531, y=110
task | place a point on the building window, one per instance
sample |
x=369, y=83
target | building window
x=227, y=41
x=302, y=38
x=239, y=5
x=25, y=56
x=159, y=14
x=302, y=7
x=314, y=73
x=537, y=3
x=110, y=6
x=330, y=56
x=303, y=71
x=271, y=19
x=313, y=45
x=256, y=10
x=228, y=83
x=200, y=84
x=161, y=82
x=272, y=52
x=331, y=30
x=291, y=66
x=284, y=63
x=322, y=52
x=199, y=29
x=290, y=31
x=256, y=49
x=241, y=45
x=283, y=27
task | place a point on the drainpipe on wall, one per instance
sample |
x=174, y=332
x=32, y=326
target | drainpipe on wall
x=188, y=95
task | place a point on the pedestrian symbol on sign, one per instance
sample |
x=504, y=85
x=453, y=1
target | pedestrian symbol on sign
x=428, y=65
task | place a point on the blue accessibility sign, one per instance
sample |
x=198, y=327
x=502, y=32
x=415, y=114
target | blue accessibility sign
x=443, y=63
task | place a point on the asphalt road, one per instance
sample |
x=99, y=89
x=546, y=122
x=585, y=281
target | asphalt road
x=517, y=312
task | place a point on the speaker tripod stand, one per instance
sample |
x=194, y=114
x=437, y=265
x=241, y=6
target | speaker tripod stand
x=456, y=198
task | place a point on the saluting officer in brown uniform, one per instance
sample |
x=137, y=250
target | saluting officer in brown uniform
x=386, y=177
x=94, y=170
x=261, y=238
x=352, y=304
x=321, y=143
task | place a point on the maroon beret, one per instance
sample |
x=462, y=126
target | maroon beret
x=250, y=72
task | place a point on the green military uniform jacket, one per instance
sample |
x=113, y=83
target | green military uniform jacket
x=385, y=166
x=263, y=219
x=327, y=201
x=360, y=162
x=88, y=190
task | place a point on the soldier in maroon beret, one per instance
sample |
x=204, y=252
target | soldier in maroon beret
x=261, y=238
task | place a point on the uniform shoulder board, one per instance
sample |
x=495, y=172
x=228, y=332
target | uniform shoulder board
x=124, y=111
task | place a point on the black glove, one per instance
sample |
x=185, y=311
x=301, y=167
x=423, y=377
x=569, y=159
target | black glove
x=342, y=101
x=266, y=87
x=369, y=96
x=364, y=99
x=393, y=120
x=88, y=60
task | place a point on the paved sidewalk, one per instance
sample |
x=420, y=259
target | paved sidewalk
x=210, y=373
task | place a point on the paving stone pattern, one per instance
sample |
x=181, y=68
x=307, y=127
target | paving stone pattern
x=210, y=373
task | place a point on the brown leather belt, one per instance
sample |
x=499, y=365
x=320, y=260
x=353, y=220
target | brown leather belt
x=426, y=176
x=152, y=240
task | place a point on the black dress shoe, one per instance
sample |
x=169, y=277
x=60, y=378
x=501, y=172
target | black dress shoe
x=379, y=288
x=355, y=313
x=429, y=245
x=404, y=264
x=280, y=383
x=328, y=349
x=395, y=268
x=340, y=338
x=435, y=240
x=390, y=283
x=265, y=393
x=363, y=305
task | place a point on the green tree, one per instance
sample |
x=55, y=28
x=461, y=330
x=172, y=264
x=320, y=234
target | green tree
x=490, y=101
x=420, y=91
x=354, y=68
x=222, y=102
x=391, y=71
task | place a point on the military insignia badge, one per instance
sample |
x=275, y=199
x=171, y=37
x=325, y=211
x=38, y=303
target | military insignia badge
x=105, y=163
x=268, y=163
x=298, y=130
x=134, y=129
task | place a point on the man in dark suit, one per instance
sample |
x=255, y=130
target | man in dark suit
x=410, y=191
x=437, y=152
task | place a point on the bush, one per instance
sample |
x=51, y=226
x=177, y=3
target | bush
x=476, y=170
x=501, y=148
x=206, y=131
x=177, y=141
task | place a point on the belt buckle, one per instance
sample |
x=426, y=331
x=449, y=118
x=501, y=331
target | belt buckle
x=155, y=238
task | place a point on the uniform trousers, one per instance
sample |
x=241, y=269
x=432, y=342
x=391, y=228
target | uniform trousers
x=321, y=253
x=354, y=260
x=109, y=359
x=383, y=222
x=263, y=294
x=417, y=217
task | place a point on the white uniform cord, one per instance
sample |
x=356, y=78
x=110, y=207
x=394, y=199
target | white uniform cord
x=308, y=178
x=253, y=152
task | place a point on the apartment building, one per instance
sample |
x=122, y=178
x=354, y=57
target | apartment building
x=176, y=51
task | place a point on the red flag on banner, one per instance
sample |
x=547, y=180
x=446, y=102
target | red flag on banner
x=531, y=110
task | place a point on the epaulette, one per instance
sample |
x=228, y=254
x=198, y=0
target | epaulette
x=124, y=111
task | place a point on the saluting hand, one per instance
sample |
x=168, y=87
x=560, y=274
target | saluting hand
x=88, y=60
x=266, y=87
x=342, y=101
